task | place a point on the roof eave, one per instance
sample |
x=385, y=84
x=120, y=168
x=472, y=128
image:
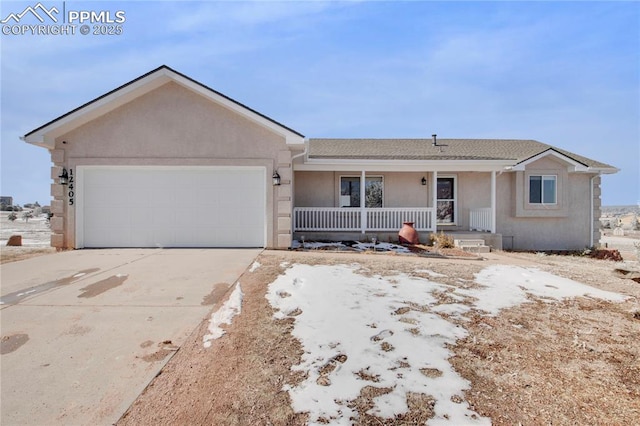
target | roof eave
x=337, y=164
x=604, y=170
x=46, y=134
x=573, y=163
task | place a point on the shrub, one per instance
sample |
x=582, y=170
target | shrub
x=604, y=254
x=441, y=240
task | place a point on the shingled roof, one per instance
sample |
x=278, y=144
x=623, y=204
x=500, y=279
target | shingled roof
x=516, y=150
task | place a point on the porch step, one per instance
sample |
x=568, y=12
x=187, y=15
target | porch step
x=472, y=246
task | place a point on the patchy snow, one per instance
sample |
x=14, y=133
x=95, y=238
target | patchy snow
x=387, y=332
x=224, y=315
x=358, y=246
x=35, y=232
x=506, y=286
x=381, y=247
x=254, y=266
x=314, y=245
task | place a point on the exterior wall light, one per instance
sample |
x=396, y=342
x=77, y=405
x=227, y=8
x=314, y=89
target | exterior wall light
x=276, y=178
x=64, y=177
x=423, y=181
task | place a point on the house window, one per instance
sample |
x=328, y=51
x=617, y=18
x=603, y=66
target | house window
x=542, y=189
x=446, y=208
x=350, y=191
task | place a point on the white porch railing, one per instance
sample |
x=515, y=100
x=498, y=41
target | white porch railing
x=350, y=218
x=480, y=219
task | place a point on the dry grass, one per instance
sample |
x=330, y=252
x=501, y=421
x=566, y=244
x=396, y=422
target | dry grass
x=570, y=362
x=14, y=254
x=238, y=380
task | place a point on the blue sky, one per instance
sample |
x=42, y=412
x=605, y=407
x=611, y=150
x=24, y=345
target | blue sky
x=563, y=73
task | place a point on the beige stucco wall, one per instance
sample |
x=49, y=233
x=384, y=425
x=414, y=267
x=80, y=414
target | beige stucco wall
x=563, y=227
x=401, y=189
x=474, y=191
x=321, y=189
x=172, y=125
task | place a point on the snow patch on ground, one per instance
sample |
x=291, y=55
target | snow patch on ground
x=358, y=246
x=254, y=266
x=314, y=245
x=386, y=332
x=35, y=232
x=381, y=247
x=224, y=315
x=507, y=286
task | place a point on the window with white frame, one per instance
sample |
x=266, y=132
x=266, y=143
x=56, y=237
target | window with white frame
x=350, y=191
x=543, y=189
x=446, y=194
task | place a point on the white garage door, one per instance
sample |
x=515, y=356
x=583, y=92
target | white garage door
x=170, y=207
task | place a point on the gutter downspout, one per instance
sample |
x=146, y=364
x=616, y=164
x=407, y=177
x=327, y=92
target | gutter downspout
x=306, y=149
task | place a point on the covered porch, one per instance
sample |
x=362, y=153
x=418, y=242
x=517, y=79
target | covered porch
x=376, y=202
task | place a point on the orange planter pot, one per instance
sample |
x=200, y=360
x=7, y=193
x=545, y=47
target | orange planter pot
x=408, y=234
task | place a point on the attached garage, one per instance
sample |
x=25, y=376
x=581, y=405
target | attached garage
x=170, y=207
x=165, y=161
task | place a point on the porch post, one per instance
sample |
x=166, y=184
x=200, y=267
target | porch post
x=434, y=186
x=363, y=212
x=493, y=202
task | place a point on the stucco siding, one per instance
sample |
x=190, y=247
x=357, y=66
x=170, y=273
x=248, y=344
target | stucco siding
x=405, y=190
x=314, y=189
x=171, y=122
x=474, y=191
x=173, y=126
x=555, y=232
x=321, y=189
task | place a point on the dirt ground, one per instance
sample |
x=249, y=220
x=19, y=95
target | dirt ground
x=570, y=362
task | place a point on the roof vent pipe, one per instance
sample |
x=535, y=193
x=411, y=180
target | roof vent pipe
x=435, y=141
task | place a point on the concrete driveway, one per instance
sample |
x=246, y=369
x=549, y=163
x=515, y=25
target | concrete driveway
x=83, y=332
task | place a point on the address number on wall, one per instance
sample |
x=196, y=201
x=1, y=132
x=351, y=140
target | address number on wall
x=71, y=187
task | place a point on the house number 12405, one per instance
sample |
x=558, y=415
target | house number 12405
x=71, y=193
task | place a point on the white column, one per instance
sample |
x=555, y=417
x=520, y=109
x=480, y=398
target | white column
x=434, y=186
x=363, y=212
x=591, y=216
x=493, y=202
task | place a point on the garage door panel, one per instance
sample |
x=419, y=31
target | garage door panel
x=173, y=207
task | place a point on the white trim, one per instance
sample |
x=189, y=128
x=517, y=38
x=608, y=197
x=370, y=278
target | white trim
x=493, y=202
x=434, y=196
x=45, y=136
x=346, y=165
x=79, y=207
x=362, y=199
x=574, y=166
x=591, y=215
x=604, y=170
